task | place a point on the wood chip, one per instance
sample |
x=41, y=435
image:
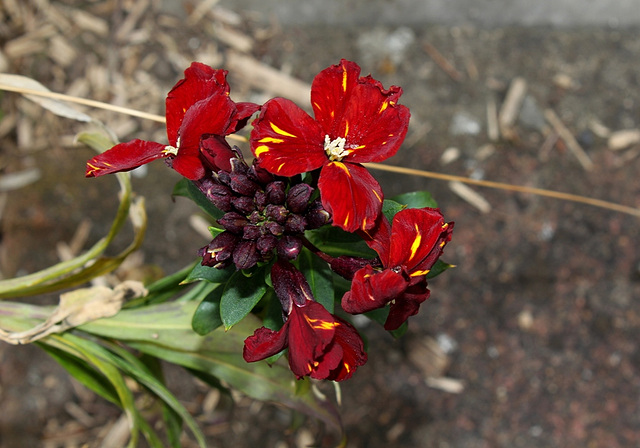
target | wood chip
x=451, y=385
x=449, y=155
x=623, y=139
x=442, y=62
x=268, y=79
x=234, y=39
x=511, y=107
x=471, y=196
x=569, y=139
x=493, y=128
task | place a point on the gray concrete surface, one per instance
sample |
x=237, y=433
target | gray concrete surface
x=559, y=13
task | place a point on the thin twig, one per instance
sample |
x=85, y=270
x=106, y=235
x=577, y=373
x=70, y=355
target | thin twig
x=509, y=187
x=378, y=166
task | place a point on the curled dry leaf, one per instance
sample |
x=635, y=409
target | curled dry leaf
x=79, y=307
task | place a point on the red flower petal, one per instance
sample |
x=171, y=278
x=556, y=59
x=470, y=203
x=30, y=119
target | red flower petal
x=311, y=330
x=378, y=238
x=244, y=112
x=124, y=157
x=376, y=125
x=351, y=195
x=217, y=153
x=330, y=93
x=286, y=140
x=200, y=82
x=371, y=290
x=415, y=233
x=264, y=343
x=406, y=306
x=352, y=352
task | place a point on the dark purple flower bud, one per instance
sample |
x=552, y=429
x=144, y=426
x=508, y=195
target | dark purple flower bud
x=241, y=184
x=261, y=175
x=346, y=266
x=317, y=216
x=251, y=232
x=219, y=195
x=289, y=247
x=260, y=200
x=243, y=204
x=295, y=224
x=233, y=222
x=266, y=243
x=276, y=192
x=239, y=166
x=216, y=152
x=219, y=251
x=298, y=197
x=223, y=177
x=245, y=255
x=255, y=217
x=274, y=228
x=277, y=213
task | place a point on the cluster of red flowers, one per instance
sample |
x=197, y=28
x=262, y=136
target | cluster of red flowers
x=307, y=173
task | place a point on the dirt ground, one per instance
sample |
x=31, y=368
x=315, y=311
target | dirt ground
x=529, y=342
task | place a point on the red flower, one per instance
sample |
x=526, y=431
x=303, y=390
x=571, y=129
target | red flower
x=356, y=121
x=408, y=249
x=197, y=108
x=321, y=345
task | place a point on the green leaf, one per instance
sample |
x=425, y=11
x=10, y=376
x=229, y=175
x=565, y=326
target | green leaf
x=416, y=199
x=209, y=274
x=390, y=208
x=207, y=316
x=185, y=188
x=240, y=295
x=439, y=268
x=220, y=354
x=319, y=277
x=335, y=242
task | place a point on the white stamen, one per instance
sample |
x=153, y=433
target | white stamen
x=335, y=149
x=172, y=149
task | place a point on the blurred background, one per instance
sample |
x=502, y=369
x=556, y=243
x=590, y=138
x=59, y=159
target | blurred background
x=529, y=342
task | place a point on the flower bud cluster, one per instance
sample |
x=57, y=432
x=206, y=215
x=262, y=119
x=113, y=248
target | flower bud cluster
x=263, y=215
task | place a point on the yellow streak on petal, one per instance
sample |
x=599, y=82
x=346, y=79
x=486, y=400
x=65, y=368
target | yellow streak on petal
x=280, y=167
x=383, y=107
x=277, y=130
x=346, y=129
x=320, y=324
x=346, y=220
x=416, y=243
x=377, y=195
x=317, y=105
x=343, y=167
x=419, y=273
x=347, y=366
x=93, y=168
x=261, y=150
x=344, y=78
x=270, y=140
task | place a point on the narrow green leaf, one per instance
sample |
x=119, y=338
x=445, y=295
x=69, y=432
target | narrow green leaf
x=207, y=316
x=209, y=274
x=319, y=277
x=185, y=188
x=82, y=372
x=240, y=295
x=416, y=199
x=439, y=268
